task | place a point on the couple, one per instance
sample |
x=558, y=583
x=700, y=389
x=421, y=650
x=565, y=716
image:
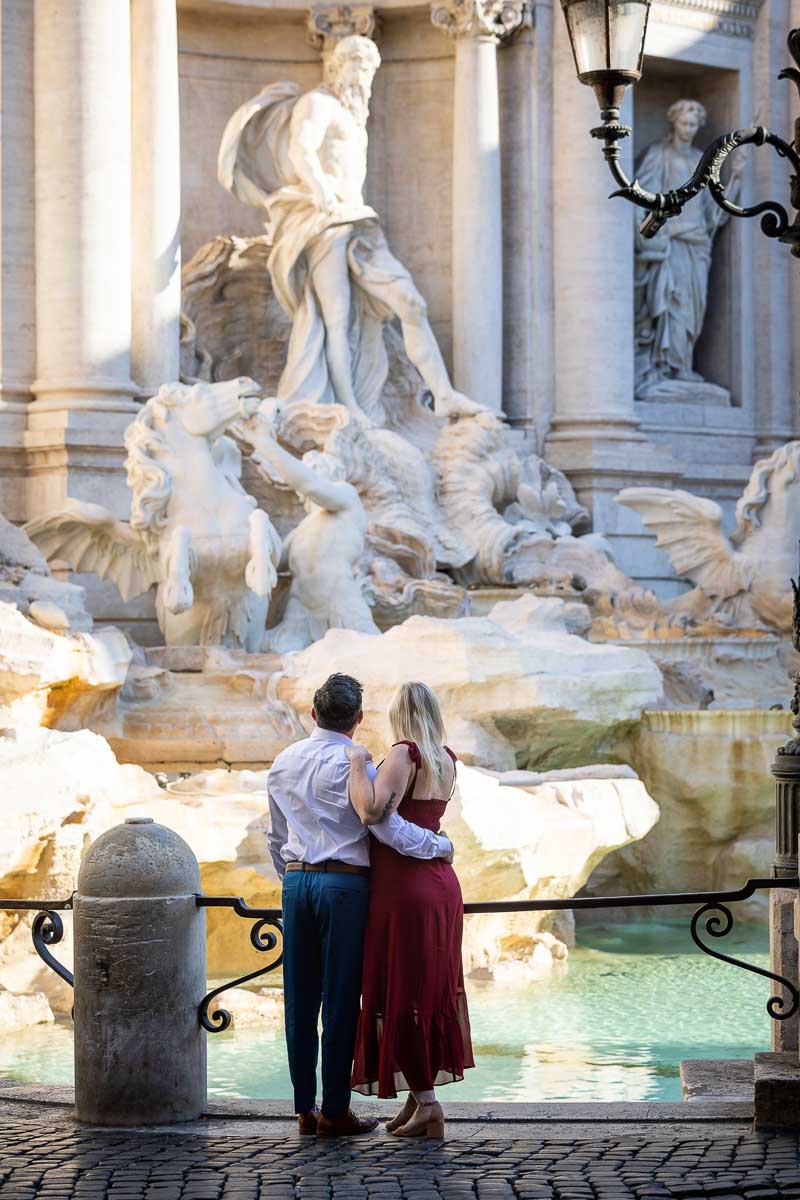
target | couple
x=377, y=917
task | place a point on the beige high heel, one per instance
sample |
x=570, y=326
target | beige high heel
x=431, y=1125
x=405, y=1114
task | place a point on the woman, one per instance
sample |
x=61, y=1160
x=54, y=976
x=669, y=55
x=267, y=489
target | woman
x=414, y=1027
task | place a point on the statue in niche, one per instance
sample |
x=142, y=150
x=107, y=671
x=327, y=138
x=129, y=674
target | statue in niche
x=194, y=532
x=671, y=269
x=304, y=158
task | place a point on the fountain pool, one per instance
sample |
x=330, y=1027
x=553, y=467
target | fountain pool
x=614, y=1025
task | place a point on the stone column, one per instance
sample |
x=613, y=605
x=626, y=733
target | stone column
x=794, y=273
x=477, y=27
x=82, y=75
x=783, y=902
x=773, y=265
x=526, y=121
x=594, y=436
x=17, y=273
x=156, y=200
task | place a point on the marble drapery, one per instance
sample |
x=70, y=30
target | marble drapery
x=671, y=275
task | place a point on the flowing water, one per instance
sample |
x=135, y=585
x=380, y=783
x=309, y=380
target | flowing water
x=633, y=1002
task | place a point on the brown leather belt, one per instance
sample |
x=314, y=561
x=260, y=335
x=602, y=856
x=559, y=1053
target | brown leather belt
x=330, y=865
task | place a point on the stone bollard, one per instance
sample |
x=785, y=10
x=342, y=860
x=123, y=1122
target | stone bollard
x=140, y=975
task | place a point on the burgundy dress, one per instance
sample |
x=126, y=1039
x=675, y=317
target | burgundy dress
x=414, y=1026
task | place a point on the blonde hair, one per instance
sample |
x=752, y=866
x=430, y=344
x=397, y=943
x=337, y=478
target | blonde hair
x=415, y=716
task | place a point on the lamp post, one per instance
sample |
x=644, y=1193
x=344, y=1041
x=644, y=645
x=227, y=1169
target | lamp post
x=607, y=38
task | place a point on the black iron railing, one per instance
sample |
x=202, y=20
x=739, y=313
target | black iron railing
x=47, y=930
x=713, y=913
x=266, y=934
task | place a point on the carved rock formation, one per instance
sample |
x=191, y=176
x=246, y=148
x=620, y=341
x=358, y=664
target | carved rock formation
x=499, y=678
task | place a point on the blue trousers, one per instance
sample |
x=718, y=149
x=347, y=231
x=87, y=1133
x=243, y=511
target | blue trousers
x=324, y=914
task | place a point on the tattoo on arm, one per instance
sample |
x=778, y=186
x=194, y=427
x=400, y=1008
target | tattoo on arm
x=387, y=808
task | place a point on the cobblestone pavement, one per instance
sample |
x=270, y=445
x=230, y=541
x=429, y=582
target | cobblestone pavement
x=57, y=1161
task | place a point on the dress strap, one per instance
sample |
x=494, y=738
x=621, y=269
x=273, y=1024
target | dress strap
x=455, y=770
x=416, y=758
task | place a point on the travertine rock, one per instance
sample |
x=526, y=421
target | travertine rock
x=709, y=773
x=59, y=792
x=26, y=582
x=20, y=1012
x=262, y=1009
x=516, y=688
x=522, y=843
x=196, y=707
x=57, y=678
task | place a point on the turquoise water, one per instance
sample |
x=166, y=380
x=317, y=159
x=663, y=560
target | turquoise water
x=633, y=1001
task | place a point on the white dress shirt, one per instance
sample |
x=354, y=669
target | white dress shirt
x=312, y=819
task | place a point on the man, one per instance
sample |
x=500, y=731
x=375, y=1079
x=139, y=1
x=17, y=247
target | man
x=304, y=158
x=320, y=847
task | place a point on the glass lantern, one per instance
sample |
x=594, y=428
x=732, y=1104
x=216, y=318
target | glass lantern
x=607, y=38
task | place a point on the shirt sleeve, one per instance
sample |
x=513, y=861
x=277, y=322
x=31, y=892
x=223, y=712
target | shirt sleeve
x=278, y=835
x=411, y=840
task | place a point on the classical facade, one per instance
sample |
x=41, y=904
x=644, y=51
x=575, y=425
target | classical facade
x=490, y=191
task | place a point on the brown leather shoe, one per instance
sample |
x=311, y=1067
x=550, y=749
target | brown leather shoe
x=344, y=1126
x=307, y=1122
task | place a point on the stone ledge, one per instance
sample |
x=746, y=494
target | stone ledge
x=711, y=1080
x=561, y=1112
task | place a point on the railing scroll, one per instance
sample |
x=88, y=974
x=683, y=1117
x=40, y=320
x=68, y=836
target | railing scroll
x=47, y=929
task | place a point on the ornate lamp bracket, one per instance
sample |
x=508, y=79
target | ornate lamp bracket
x=775, y=221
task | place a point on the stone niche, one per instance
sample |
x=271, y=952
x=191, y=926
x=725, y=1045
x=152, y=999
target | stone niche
x=718, y=354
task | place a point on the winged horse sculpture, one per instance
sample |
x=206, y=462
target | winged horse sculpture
x=194, y=533
x=743, y=578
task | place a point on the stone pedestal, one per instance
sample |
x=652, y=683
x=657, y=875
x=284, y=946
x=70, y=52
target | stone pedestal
x=82, y=80
x=784, y=904
x=594, y=435
x=140, y=976
x=777, y=1091
x=783, y=959
x=156, y=302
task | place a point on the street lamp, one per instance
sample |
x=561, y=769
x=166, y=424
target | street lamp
x=607, y=38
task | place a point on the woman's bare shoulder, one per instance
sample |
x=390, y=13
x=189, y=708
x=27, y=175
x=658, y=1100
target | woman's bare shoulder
x=399, y=754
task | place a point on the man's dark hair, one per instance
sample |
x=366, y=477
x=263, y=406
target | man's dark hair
x=338, y=702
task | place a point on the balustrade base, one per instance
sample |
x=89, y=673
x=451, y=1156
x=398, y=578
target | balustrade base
x=777, y=1091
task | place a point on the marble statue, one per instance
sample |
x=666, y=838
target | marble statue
x=304, y=158
x=671, y=269
x=322, y=553
x=742, y=578
x=407, y=537
x=194, y=533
